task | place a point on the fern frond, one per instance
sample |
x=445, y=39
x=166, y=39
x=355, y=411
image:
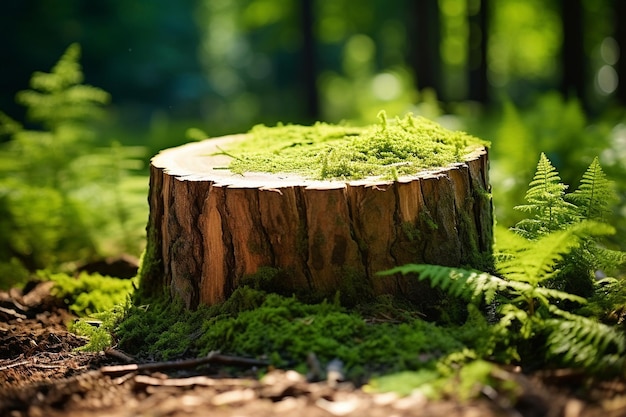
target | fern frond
x=547, y=294
x=468, y=284
x=534, y=261
x=595, y=195
x=62, y=88
x=545, y=200
x=581, y=341
x=8, y=126
x=511, y=314
x=607, y=259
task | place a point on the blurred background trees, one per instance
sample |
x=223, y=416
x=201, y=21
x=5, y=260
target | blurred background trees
x=232, y=63
x=529, y=75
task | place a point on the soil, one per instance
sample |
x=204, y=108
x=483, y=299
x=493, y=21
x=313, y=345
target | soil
x=41, y=374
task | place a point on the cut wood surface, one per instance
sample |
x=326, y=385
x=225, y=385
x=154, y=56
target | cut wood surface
x=211, y=230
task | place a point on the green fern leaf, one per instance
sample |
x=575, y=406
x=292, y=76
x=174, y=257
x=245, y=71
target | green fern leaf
x=8, y=126
x=595, y=195
x=62, y=89
x=581, y=341
x=545, y=201
x=468, y=284
x=532, y=261
x=547, y=294
x=607, y=259
x=538, y=260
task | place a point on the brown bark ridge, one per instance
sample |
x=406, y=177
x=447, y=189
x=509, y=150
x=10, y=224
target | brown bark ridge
x=211, y=230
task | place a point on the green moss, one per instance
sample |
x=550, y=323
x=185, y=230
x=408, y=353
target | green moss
x=427, y=219
x=323, y=151
x=150, y=267
x=89, y=293
x=266, y=278
x=100, y=335
x=411, y=232
x=257, y=324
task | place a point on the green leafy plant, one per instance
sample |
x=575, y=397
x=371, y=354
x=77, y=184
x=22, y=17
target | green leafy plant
x=545, y=201
x=100, y=328
x=527, y=306
x=88, y=294
x=552, y=209
x=60, y=184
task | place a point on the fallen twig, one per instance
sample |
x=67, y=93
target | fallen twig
x=213, y=357
x=12, y=313
x=119, y=355
x=13, y=365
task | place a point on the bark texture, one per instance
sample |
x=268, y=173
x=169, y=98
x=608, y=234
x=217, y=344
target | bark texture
x=210, y=231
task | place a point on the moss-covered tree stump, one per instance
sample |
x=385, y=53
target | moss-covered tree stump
x=215, y=224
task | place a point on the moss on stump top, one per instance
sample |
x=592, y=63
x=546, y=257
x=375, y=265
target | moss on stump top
x=390, y=148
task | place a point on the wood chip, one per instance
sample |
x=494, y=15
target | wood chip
x=232, y=397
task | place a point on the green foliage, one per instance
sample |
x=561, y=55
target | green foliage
x=60, y=193
x=555, y=125
x=58, y=99
x=595, y=196
x=533, y=264
x=89, y=293
x=586, y=342
x=100, y=328
x=403, y=146
x=545, y=201
x=285, y=330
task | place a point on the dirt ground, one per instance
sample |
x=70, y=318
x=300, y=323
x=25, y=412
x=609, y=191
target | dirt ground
x=41, y=374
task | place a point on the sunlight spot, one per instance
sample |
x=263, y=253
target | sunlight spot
x=609, y=50
x=386, y=86
x=607, y=79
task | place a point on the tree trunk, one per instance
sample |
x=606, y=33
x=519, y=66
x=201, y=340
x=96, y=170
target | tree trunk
x=478, y=20
x=211, y=231
x=573, y=70
x=424, y=27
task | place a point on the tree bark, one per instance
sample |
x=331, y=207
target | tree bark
x=211, y=231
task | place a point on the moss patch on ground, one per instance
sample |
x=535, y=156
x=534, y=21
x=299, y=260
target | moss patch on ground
x=88, y=294
x=402, y=146
x=384, y=338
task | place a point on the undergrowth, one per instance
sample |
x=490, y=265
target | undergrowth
x=285, y=331
x=101, y=303
x=546, y=268
x=528, y=313
x=88, y=294
x=66, y=193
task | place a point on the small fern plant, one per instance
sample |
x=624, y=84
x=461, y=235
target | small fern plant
x=552, y=209
x=529, y=308
x=59, y=179
x=545, y=202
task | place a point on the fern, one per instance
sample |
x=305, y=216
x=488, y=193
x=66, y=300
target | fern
x=595, y=195
x=62, y=88
x=469, y=285
x=536, y=261
x=533, y=262
x=478, y=287
x=545, y=202
x=58, y=187
x=579, y=340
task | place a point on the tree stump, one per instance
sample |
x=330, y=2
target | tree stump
x=211, y=230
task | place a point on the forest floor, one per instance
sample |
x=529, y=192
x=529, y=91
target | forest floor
x=41, y=374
